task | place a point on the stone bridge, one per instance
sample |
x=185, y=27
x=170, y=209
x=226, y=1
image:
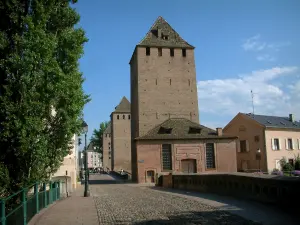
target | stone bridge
x=114, y=202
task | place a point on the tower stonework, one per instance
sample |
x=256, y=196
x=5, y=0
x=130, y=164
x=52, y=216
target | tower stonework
x=163, y=82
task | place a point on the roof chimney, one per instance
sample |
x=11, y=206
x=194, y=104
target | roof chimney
x=159, y=32
x=291, y=118
x=219, y=131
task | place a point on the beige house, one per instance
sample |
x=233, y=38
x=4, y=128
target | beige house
x=120, y=137
x=264, y=140
x=165, y=131
x=107, y=147
x=67, y=173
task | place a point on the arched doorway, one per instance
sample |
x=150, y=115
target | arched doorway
x=188, y=166
x=150, y=176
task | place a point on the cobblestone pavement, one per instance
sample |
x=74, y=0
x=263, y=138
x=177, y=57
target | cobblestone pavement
x=134, y=204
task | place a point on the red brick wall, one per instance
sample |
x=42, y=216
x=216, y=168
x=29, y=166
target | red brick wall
x=149, y=156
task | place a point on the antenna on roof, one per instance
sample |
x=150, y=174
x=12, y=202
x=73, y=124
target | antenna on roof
x=252, y=97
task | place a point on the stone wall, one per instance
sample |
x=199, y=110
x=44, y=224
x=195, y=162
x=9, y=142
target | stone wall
x=263, y=188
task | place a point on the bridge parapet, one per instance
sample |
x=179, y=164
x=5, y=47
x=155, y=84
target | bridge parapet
x=259, y=187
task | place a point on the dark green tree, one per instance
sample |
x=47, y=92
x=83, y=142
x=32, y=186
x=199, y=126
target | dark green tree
x=97, y=137
x=41, y=95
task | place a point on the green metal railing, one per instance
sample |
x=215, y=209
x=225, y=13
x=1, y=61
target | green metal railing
x=20, y=207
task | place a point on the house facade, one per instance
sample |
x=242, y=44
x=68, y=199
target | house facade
x=67, y=172
x=93, y=157
x=264, y=140
x=106, y=145
x=120, y=137
x=165, y=132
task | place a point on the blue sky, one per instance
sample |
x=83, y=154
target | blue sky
x=240, y=45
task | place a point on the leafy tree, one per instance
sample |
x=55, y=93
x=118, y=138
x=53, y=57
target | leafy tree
x=97, y=137
x=41, y=95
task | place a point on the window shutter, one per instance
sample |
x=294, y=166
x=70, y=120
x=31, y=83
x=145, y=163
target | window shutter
x=299, y=144
x=279, y=143
x=247, y=146
x=286, y=144
x=272, y=143
x=238, y=143
x=294, y=143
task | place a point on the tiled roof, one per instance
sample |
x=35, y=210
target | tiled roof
x=108, y=129
x=168, y=38
x=123, y=107
x=274, y=121
x=180, y=128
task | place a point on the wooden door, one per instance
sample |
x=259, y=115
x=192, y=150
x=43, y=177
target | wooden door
x=188, y=166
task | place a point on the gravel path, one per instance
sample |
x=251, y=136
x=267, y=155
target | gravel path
x=134, y=204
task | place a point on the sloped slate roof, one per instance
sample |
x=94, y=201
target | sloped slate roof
x=108, y=129
x=180, y=130
x=274, y=121
x=123, y=107
x=152, y=39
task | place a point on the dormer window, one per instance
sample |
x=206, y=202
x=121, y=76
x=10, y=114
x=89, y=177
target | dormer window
x=165, y=37
x=194, y=130
x=165, y=130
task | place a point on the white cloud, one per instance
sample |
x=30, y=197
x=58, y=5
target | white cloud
x=229, y=96
x=266, y=50
x=254, y=44
x=265, y=57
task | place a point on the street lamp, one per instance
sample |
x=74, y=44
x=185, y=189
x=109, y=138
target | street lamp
x=86, y=183
x=258, y=157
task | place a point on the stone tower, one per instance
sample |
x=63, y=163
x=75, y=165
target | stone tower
x=163, y=81
x=120, y=137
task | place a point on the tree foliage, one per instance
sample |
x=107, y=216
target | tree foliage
x=97, y=137
x=39, y=72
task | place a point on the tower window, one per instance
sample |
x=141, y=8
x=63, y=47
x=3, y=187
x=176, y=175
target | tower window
x=118, y=117
x=170, y=81
x=156, y=81
x=172, y=52
x=147, y=51
x=159, y=51
x=123, y=117
x=184, y=52
x=129, y=117
x=189, y=82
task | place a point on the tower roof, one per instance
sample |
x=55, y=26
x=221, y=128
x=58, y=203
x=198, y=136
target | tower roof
x=123, y=107
x=161, y=34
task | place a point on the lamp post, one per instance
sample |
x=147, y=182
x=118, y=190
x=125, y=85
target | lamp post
x=86, y=183
x=258, y=156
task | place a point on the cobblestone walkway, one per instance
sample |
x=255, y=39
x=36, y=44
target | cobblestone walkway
x=133, y=204
x=114, y=202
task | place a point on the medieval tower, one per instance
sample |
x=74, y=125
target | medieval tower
x=163, y=82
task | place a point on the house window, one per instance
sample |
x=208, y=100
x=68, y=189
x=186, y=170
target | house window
x=108, y=148
x=210, y=156
x=290, y=143
x=123, y=117
x=167, y=157
x=172, y=52
x=276, y=145
x=129, y=117
x=256, y=138
x=118, y=117
x=147, y=51
x=184, y=52
x=243, y=145
x=159, y=51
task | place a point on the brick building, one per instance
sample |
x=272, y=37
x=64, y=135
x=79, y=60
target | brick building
x=165, y=131
x=120, y=137
x=107, y=147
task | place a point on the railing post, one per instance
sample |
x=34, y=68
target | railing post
x=58, y=189
x=45, y=194
x=36, y=193
x=50, y=192
x=24, y=206
x=2, y=215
